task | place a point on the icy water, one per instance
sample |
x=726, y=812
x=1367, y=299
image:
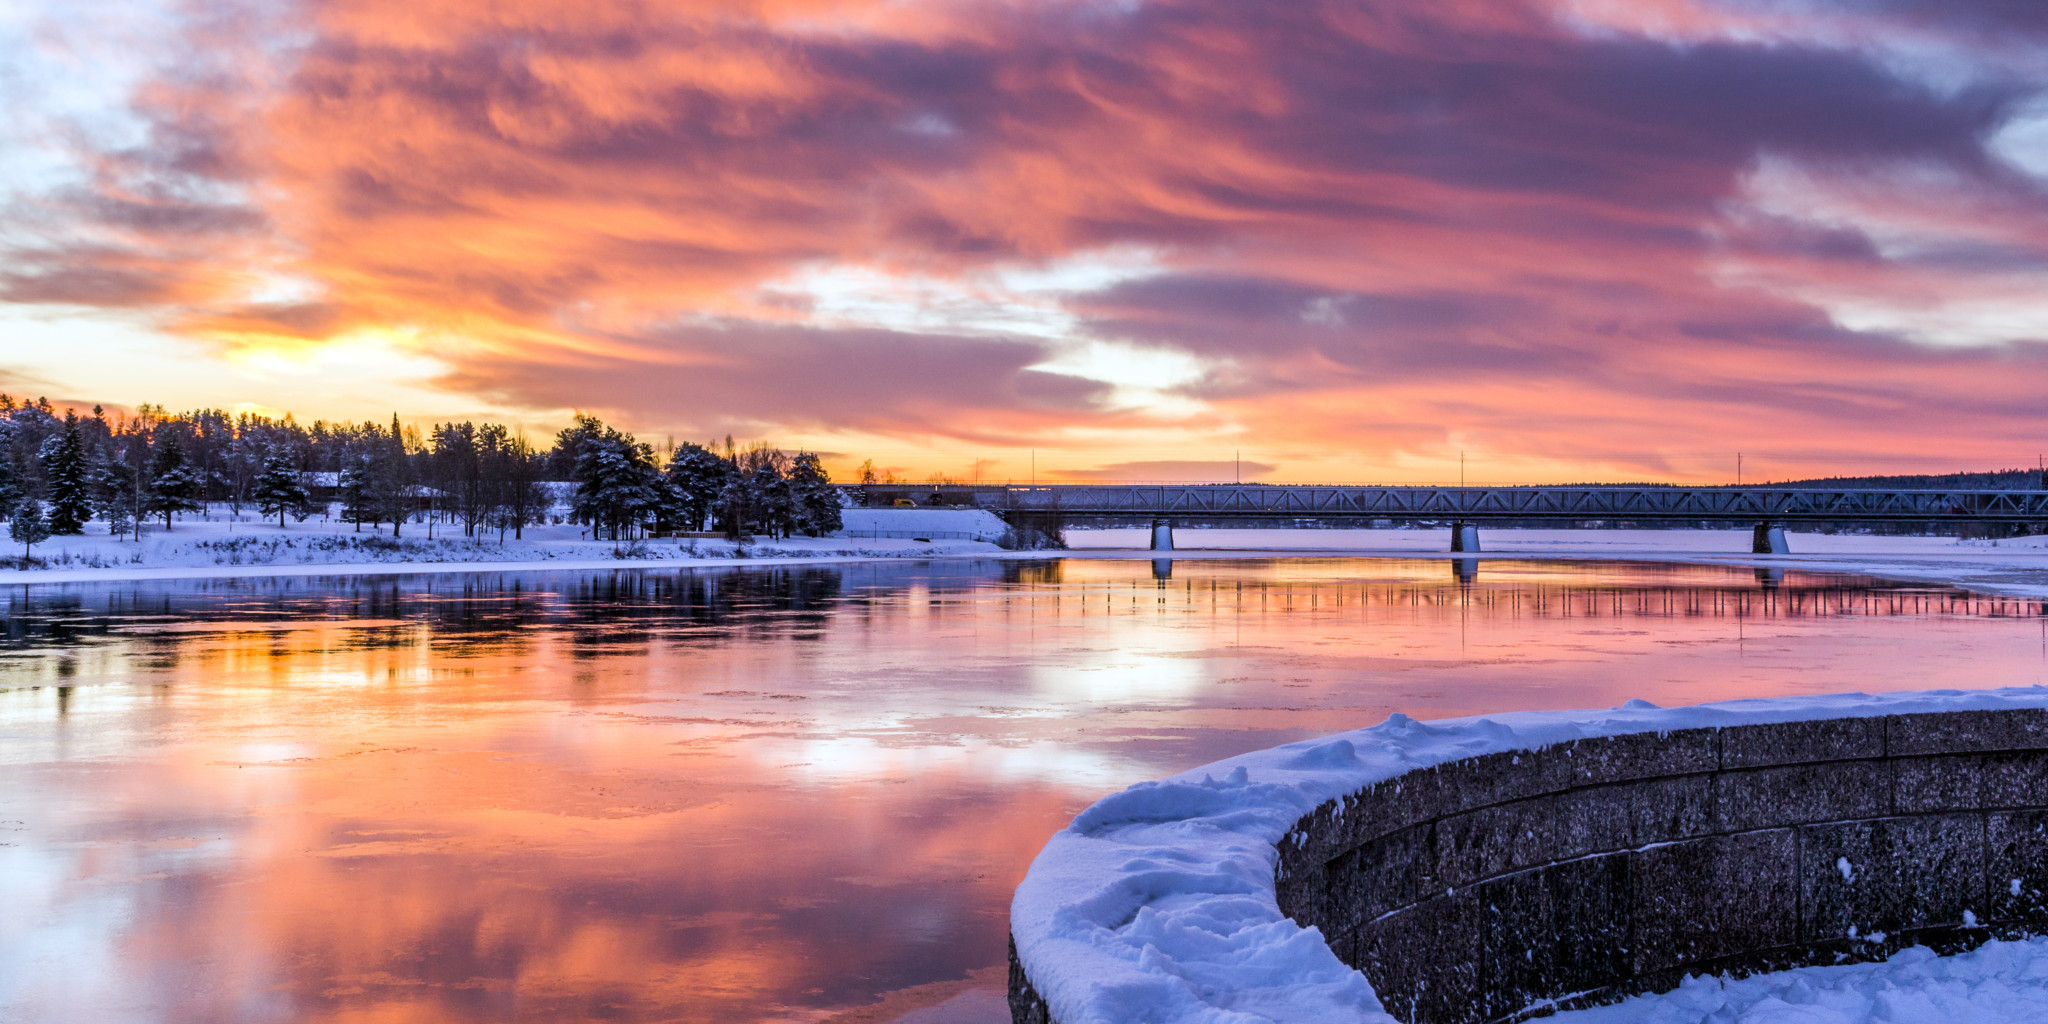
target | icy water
x=783, y=794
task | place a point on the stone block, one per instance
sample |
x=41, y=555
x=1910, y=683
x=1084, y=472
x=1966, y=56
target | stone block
x=1304, y=895
x=1386, y=874
x=1502, y=778
x=1591, y=924
x=1705, y=899
x=1666, y=810
x=1925, y=785
x=1518, y=942
x=1883, y=877
x=1495, y=840
x=1424, y=962
x=1641, y=756
x=1596, y=819
x=1829, y=739
x=1404, y=800
x=2015, y=779
x=1957, y=732
x=2016, y=866
x=1801, y=794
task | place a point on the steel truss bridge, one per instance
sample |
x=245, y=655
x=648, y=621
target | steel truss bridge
x=1316, y=501
x=1766, y=508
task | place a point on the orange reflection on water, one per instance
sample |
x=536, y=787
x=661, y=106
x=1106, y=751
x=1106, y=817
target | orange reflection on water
x=766, y=795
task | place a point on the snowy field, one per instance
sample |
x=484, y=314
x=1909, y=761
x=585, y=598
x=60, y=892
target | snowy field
x=1997, y=983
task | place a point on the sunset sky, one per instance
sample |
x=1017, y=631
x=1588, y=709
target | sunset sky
x=1574, y=239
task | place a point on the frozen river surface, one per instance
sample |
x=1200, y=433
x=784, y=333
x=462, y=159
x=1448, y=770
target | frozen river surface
x=791, y=794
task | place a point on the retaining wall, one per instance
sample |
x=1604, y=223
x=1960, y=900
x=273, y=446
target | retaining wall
x=1582, y=873
x=1505, y=886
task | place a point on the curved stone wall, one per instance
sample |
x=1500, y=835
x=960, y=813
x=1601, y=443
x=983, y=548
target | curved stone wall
x=1505, y=886
x=1500, y=887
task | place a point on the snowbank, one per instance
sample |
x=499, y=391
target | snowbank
x=1996, y=983
x=1159, y=904
x=222, y=544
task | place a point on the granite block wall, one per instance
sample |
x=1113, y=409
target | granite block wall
x=1509, y=886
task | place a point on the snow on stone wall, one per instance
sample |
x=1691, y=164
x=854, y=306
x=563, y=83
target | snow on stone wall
x=1476, y=867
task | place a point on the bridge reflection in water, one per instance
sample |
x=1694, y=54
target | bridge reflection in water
x=1518, y=588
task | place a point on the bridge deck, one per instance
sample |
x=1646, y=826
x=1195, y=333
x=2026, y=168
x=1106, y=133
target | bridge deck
x=1312, y=501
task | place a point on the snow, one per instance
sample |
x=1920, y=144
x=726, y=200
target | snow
x=1157, y=903
x=1996, y=983
x=222, y=544
x=951, y=523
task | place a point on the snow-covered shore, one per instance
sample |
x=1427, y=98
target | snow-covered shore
x=225, y=545
x=221, y=546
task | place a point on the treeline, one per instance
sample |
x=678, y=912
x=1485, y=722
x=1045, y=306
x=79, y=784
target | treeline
x=60, y=470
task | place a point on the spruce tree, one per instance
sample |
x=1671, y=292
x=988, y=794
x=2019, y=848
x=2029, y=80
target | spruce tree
x=65, y=470
x=28, y=527
x=614, y=482
x=11, y=492
x=355, y=486
x=117, y=494
x=173, y=486
x=278, y=488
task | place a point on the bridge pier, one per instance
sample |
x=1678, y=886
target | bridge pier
x=1465, y=538
x=1768, y=539
x=1162, y=535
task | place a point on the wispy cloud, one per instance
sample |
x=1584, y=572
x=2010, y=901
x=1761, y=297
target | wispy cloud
x=1592, y=235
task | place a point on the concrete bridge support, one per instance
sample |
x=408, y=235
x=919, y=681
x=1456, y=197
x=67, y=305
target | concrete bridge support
x=1162, y=535
x=1465, y=538
x=1768, y=539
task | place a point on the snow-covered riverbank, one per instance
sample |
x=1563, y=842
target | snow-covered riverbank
x=221, y=545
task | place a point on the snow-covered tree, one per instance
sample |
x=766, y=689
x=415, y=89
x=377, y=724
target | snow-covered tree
x=174, y=485
x=65, y=477
x=816, y=500
x=279, y=489
x=695, y=478
x=614, y=482
x=28, y=527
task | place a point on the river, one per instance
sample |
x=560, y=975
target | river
x=768, y=794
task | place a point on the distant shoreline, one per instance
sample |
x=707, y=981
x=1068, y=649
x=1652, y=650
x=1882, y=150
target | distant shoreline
x=2016, y=567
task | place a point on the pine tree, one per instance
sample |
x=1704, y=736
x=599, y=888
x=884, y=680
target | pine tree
x=614, y=482
x=173, y=485
x=278, y=488
x=28, y=527
x=65, y=470
x=817, y=501
x=696, y=477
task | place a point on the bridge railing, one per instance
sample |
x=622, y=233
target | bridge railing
x=1725, y=504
